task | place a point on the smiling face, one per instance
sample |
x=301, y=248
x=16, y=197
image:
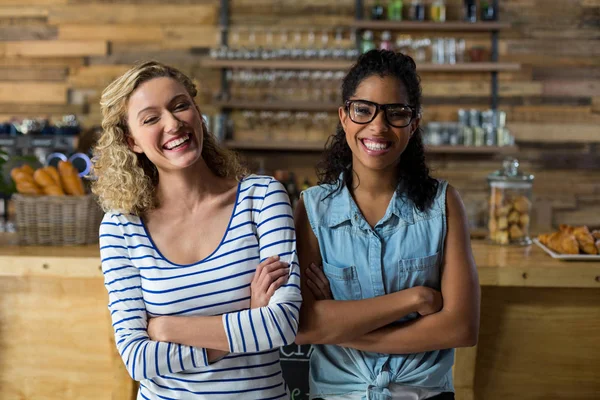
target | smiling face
x=164, y=124
x=377, y=145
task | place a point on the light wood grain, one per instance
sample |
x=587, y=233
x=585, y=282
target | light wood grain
x=35, y=92
x=53, y=48
x=58, y=331
x=33, y=74
x=110, y=32
x=554, y=132
x=538, y=343
x=201, y=14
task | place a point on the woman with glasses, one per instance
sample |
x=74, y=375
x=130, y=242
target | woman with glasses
x=388, y=279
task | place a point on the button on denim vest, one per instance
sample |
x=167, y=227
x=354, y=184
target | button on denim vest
x=405, y=249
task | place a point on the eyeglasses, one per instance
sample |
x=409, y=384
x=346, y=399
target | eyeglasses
x=364, y=111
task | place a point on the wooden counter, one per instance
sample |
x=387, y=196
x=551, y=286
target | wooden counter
x=497, y=265
x=540, y=324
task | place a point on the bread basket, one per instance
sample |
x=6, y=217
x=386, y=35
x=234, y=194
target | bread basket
x=57, y=220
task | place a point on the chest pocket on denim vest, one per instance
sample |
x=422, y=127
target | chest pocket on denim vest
x=422, y=271
x=343, y=282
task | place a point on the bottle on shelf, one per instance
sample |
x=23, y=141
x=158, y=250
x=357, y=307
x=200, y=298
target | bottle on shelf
x=502, y=133
x=475, y=123
x=416, y=11
x=488, y=11
x=386, y=41
x=470, y=10
x=487, y=124
x=378, y=11
x=367, y=42
x=437, y=11
x=395, y=10
x=465, y=131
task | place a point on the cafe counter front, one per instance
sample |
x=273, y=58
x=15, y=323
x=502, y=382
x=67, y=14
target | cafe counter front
x=539, y=335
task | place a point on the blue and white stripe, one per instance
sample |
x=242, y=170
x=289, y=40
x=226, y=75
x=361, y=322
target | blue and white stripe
x=141, y=283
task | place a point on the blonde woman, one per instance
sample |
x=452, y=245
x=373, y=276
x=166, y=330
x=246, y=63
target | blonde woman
x=199, y=260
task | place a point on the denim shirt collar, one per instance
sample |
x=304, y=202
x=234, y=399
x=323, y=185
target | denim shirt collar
x=343, y=208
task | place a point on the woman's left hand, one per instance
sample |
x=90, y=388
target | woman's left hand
x=318, y=283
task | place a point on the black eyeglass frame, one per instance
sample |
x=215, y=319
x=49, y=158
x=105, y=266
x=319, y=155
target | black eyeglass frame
x=384, y=107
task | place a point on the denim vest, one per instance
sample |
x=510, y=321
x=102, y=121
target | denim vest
x=405, y=249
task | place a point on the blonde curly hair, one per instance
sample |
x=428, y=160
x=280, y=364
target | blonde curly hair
x=126, y=181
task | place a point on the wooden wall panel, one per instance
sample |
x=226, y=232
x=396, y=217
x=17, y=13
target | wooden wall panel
x=552, y=102
x=53, y=48
x=201, y=14
x=40, y=93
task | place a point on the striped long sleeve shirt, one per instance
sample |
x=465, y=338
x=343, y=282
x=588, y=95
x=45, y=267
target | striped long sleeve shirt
x=142, y=283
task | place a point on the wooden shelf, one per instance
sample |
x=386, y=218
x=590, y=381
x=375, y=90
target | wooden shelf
x=343, y=65
x=452, y=26
x=279, y=64
x=277, y=105
x=469, y=149
x=275, y=146
x=469, y=67
x=319, y=146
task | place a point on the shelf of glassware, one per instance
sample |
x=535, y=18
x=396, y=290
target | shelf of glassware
x=343, y=65
x=450, y=26
x=319, y=146
x=277, y=105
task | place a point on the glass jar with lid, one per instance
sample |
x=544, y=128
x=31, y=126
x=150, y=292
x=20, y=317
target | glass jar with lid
x=510, y=204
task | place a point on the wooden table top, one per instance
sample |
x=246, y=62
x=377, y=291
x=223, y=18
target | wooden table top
x=527, y=266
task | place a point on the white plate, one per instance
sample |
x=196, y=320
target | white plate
x=567, y=257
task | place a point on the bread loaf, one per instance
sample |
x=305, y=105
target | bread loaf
x=25, y=182
x=47, y=183
x=69, y=177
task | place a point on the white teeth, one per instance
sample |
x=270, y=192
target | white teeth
x=174, y=143
x=375, y=145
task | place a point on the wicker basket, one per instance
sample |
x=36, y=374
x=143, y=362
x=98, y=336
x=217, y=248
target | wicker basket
x=57, y=220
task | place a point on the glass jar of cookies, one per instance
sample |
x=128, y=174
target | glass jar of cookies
x=510, y=205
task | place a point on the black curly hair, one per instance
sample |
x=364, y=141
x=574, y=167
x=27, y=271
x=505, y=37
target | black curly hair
x=414, y=180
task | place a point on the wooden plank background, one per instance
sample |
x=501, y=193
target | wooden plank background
x=56, y=56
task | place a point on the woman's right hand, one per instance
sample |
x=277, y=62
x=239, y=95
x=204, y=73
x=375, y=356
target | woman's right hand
x=269, y=276
x=429, y=301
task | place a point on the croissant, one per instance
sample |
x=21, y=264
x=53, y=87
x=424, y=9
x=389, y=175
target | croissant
x=563, y=242
x=47, y=183
x=69, y=177
x=585, y=240
x=596, y=234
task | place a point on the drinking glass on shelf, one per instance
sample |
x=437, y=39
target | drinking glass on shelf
x=297, y=51
x=284, y=50
x=303, y=120
x=266, y=121
x=325, y=51
x=419, y=47
x=253, y=51
x=460, y=50
x=450, y=50
x=338, y=49
x=317, y=90
x=404, y=44
x=233, y=52
x=251, y=118
x=438, y=51
x=304, y=85
x=352, y=51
